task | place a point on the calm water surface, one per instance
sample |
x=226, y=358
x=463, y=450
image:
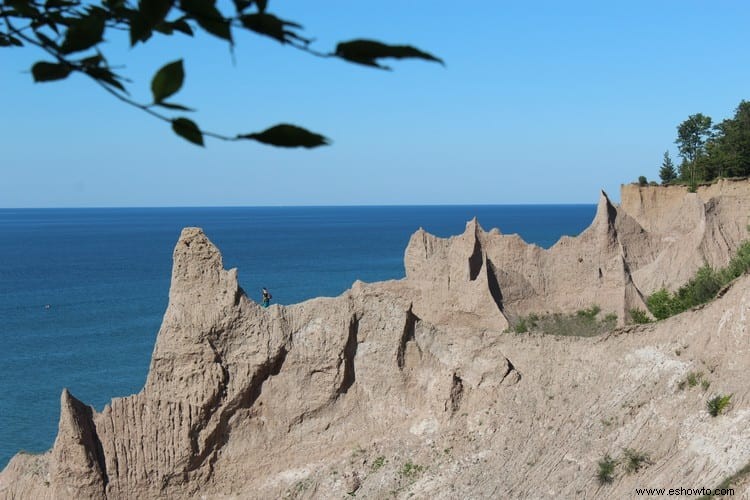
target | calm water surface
x=105, y=275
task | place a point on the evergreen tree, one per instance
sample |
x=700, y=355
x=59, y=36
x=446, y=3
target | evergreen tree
x=667, y=173
x=729, y=150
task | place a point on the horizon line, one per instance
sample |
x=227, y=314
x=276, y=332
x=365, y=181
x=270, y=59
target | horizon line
x=394, y=205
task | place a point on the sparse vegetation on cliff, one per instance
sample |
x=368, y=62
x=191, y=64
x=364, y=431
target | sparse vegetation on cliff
x=718, y=404
x=606, y=472
x=639, y=316
x=701, y=289
x=635, y=460
x=582, y=323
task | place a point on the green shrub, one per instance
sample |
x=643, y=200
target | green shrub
x=739, y=264
x=642, y=181
x=660, y=304
x=589, y=313
x=702, y=288
x=693, y=378
x=606, y=473
x=717, y=404
x=378, y=463
x=639, y=316
x=609, y=322
x=521, y=326
x=705, y=384
x=635, y=460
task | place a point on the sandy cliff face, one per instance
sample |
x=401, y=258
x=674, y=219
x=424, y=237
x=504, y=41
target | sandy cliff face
x=410, y=387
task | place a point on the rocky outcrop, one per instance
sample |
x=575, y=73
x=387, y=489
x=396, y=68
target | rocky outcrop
x=658, y=237
x=689, y=229
x=410, y=387
x=498, y=276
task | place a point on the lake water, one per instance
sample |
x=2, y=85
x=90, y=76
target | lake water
x=105, y=275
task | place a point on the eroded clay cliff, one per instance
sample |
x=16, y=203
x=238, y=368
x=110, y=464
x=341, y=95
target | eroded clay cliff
x=410, y=387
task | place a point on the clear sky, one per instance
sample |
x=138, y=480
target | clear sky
x=540, y=102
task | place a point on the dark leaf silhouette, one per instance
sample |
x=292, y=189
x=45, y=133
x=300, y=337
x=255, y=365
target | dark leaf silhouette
x=106, y=76
x=241, y=5
x=72, y=32
x=188, y=130
x=171, y=105
x=208, y=17
x=271, y=26
x=140, y=30
x=154, y=11
x=9, y=41
x=367, y=52
x=47, y=72
x=167, y=81
x=85, y=32
x=182, y=26
x=288, y=136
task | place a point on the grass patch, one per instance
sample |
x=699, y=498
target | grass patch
x=582, y=323
x=639, y=316
x=606, y=472
x=378, y=463
x=702, y=288
x=692, y=379
x=718, y=404
x=411, y=470
x=634, y=460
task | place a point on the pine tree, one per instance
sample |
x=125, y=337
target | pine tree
x=667, y=171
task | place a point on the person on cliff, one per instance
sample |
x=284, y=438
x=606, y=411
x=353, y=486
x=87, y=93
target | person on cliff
x=266, y=297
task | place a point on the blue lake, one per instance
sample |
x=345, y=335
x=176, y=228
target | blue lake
x=105, y=275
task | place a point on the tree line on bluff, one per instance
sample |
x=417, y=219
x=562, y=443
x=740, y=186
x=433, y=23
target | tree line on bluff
x=709, y=151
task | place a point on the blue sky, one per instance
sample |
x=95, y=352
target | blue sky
x=540, y=102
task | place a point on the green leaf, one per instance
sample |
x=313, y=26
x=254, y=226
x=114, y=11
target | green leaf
x=288, y=136
x=188, y=130
x=208, y=17
x=271, y=26
x=171, y=105
x=84, y=33
x=47, y=71
x=368, y=51
x=167, y=81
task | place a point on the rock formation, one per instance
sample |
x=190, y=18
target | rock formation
x=410, y=387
